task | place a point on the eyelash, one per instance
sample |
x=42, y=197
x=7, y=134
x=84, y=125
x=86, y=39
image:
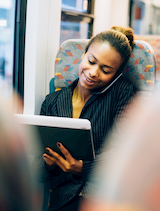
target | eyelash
x=90, y=62
x=105, y=72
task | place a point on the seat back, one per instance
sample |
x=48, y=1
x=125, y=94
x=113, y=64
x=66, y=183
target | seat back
x=154, y=41
x=140, y=69
x=67, y=63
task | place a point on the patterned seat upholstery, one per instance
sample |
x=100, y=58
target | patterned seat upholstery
x=67, y=63
x=140, y=68
x=154, y=41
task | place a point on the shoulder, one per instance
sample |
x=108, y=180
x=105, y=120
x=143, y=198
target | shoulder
x=123, y=85
x=124, y=91
x=50, y=97
x=124, y=82
x=53, y=96
x=50, y=102
x=121, y=91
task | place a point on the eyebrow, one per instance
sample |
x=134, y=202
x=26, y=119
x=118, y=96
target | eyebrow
x=103, y=65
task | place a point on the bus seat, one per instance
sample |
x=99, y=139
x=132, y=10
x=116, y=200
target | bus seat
x=154, y=41
x=140, y=69
x=67, y=62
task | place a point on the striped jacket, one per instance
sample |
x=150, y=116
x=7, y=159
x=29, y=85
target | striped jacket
x=101, y=109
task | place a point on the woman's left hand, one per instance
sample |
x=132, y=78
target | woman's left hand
x=67, y=165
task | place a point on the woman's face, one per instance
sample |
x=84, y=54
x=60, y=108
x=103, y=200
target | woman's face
x=98, y=66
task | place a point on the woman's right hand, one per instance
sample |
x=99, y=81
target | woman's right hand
x=48, y=159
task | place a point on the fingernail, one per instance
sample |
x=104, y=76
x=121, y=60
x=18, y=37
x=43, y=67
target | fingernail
x=47, y=150
x=58, y=144
x=45, y=156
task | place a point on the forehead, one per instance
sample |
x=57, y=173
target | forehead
x=102, y=48
x=105, y=54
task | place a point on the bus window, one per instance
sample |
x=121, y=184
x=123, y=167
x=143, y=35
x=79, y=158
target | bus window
x=7, y=17
x=76, y=19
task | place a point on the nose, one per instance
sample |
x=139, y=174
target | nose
x=94, y=72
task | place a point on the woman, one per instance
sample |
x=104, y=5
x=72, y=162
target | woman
x=91, y=97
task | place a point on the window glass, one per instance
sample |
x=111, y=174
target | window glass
x=73, y=30
x=76, y=20
x=78, y=5
x=145, y=17
x=7, y=17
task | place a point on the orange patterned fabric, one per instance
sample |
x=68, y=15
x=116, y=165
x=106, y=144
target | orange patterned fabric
x=154, y=41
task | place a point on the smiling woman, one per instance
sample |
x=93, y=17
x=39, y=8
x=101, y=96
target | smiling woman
x=93, y=96
x=98, y=66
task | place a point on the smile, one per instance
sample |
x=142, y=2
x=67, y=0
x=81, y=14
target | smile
x=89, y=80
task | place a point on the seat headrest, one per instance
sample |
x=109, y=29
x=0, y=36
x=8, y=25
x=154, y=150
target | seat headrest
x=140, y=68
x=67, y=62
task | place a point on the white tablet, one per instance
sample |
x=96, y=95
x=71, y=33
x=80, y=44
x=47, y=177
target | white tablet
x=74, y=134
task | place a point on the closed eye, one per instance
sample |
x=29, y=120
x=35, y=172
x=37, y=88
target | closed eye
x=105, y=71
x=91, y=62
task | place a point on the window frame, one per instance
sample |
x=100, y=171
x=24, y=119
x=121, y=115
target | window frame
x=19, y=47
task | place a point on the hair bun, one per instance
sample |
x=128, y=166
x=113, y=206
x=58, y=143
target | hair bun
x=128, y=32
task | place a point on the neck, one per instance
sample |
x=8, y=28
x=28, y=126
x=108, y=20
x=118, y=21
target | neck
x=82, y=93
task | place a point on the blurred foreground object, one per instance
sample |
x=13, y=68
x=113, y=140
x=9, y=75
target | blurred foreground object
x=17, y=189
x=127, y=175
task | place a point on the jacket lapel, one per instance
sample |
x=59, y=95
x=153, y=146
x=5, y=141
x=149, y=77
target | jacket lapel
x=64, y=103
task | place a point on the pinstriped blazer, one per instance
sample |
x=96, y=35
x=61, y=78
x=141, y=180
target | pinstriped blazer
x=102, y=110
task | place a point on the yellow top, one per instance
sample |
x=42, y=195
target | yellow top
x=77, y=103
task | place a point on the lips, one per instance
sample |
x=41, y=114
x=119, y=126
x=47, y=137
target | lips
x=89, y=80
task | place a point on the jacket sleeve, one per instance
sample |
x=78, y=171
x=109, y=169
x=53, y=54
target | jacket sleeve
x=121, y=98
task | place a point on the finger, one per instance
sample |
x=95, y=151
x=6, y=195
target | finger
x=65, y=152
x=70, y=164
x=58, y=159
x=48, y=161
x=46, y=156
x=60, y=164
x=52, y=152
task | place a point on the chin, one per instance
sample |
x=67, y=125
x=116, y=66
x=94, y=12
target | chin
x=100, y=88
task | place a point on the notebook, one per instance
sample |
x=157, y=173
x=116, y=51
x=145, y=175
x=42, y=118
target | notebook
x=74, y=134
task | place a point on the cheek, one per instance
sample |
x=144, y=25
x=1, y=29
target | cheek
x=79, y=70
x=107, y=78
x=84, y=65
x=81, y=67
